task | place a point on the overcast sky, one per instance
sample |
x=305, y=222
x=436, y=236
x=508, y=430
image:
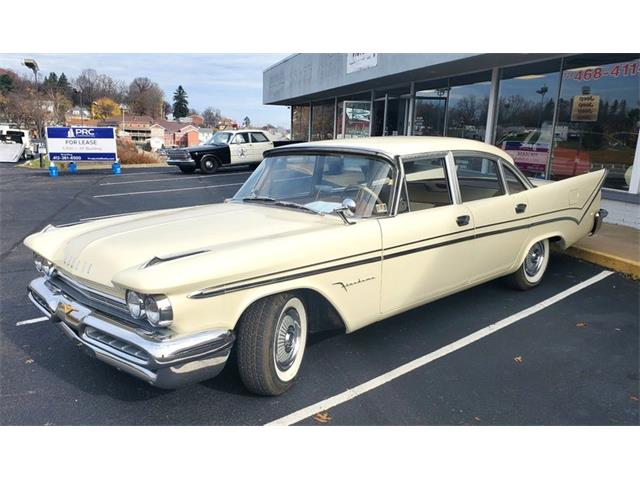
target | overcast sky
x=230, y=82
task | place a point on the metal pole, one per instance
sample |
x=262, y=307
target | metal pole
x=335, y=117
x=384, y=118
x=492, y=113
x=81, y=111
x=554, y=122
x=412, y=108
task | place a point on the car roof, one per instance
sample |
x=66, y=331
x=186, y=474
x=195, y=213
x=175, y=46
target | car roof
x=405, y=145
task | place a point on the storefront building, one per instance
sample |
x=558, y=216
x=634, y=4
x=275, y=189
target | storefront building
x=557, y=115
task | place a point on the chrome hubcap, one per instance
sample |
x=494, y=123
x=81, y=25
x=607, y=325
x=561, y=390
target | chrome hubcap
x=534, y=260
x=288, y=333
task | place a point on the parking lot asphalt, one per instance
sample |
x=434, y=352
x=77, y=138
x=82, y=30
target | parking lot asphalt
x=573, y=362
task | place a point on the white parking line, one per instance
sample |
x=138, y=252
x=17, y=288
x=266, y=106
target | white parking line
x=352, y=393
x=146, y=192
x=32, y=320
x=172, y=179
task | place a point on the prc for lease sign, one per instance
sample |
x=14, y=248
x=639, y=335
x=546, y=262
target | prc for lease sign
x=73, y=144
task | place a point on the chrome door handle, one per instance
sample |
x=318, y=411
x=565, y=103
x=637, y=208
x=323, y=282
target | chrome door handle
x=521, y=207
x=463, y=220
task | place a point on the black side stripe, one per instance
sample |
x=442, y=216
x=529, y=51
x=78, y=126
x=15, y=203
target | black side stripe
x=222, y=290
x=214, y=292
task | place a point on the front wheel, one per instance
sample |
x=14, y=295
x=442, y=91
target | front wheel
x=209, y=165
x=271, y=339
x=533, y=267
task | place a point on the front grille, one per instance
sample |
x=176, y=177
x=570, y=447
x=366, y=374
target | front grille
x=178, y=154
x=116, y=343
x=41, y=301
x=91, y=298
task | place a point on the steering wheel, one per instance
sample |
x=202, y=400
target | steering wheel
x=363, y=189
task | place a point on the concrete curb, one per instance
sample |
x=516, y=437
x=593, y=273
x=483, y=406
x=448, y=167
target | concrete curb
x=607, y=260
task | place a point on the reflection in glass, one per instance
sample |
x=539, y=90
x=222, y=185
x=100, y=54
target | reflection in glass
x=300, y=122
x=431, y=107
x=598, y=119
x=357, y=118
x=526, y=105
x=322, y=121
x=468, y=107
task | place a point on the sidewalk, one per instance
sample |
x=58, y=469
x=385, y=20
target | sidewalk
x=615, y=247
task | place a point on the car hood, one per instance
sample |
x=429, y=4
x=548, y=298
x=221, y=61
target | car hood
x=96, y=251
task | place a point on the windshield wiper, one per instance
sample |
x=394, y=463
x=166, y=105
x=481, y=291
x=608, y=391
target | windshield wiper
x=256, y=198
x=296, y=205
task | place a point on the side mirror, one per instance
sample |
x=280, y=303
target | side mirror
x=348, y=205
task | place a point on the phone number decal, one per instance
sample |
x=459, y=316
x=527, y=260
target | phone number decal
x=616, y=70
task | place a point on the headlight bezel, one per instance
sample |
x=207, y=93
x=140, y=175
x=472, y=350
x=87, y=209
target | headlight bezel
x=44, y=266
x=158, y=310
x=132, y=303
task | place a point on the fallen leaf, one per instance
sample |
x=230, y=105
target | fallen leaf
x=322, y=417
x=518, y=359
x=477, y=419
x=581, y=325
x=633, y=397
x=29, y=361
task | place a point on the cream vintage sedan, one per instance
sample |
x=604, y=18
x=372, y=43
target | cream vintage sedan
x=339, y=233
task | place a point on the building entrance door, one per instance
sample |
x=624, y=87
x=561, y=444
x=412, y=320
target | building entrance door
x=390, y=116
x=431, y=112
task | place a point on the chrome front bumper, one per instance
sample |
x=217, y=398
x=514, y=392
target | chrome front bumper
x=164, y=360
x=599, y=216
x=181, y=161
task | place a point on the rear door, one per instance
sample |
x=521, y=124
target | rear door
x=259, y=144
x=499, y=215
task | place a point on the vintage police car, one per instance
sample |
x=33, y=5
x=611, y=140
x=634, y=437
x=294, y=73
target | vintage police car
x=338, y=233
x=227, y=147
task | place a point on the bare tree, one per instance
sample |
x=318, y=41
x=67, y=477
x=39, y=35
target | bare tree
x=145, y=97
x=211, y=116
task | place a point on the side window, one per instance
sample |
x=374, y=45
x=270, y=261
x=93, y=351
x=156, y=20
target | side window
x=241, y=138
x=478, y=177
x=258, y=137
x=427, y=185
x=514, y=184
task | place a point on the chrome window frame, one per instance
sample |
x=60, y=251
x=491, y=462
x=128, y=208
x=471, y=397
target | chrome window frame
x=504, y=165
x=441, y=154
x=489, y=156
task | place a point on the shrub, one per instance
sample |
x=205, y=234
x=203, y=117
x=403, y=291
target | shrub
x=129, y=154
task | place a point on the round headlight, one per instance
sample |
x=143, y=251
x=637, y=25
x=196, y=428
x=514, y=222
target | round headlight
x=47, y=268
x=37, y=259
x=158, y=310
x=135, y=304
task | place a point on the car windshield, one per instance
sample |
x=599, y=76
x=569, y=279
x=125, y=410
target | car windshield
x=321, y=183
x=220, y=137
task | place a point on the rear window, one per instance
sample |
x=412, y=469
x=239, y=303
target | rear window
x=259, y=137
x=478, y=177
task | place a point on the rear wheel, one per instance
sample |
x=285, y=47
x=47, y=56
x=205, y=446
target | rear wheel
x=187, y=168
x=533, y=267
x=271, y=339
x=209, y=165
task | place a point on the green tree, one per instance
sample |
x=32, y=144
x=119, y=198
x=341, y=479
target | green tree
x=246, y=122
x=180, y=103
x=7, y=83
x=63, y=83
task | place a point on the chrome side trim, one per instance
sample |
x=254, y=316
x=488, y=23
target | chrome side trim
x=598, y=217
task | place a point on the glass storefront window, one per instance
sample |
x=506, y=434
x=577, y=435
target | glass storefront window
x=598, y=118
x=322, y=121
x=430, y=111
x=526, y=105
x=300, y=122
x=356, y=119
x=468, y=106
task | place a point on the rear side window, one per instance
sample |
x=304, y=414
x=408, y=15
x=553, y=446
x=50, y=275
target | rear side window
x=478, y=177
x=427, y=185
x=514, y=184
x=258, y=137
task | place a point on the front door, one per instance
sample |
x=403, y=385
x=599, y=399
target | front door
x=239, y=148
x=427, y=252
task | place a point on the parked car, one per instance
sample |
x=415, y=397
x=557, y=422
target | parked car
x=338, y=233
x=227, y=147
